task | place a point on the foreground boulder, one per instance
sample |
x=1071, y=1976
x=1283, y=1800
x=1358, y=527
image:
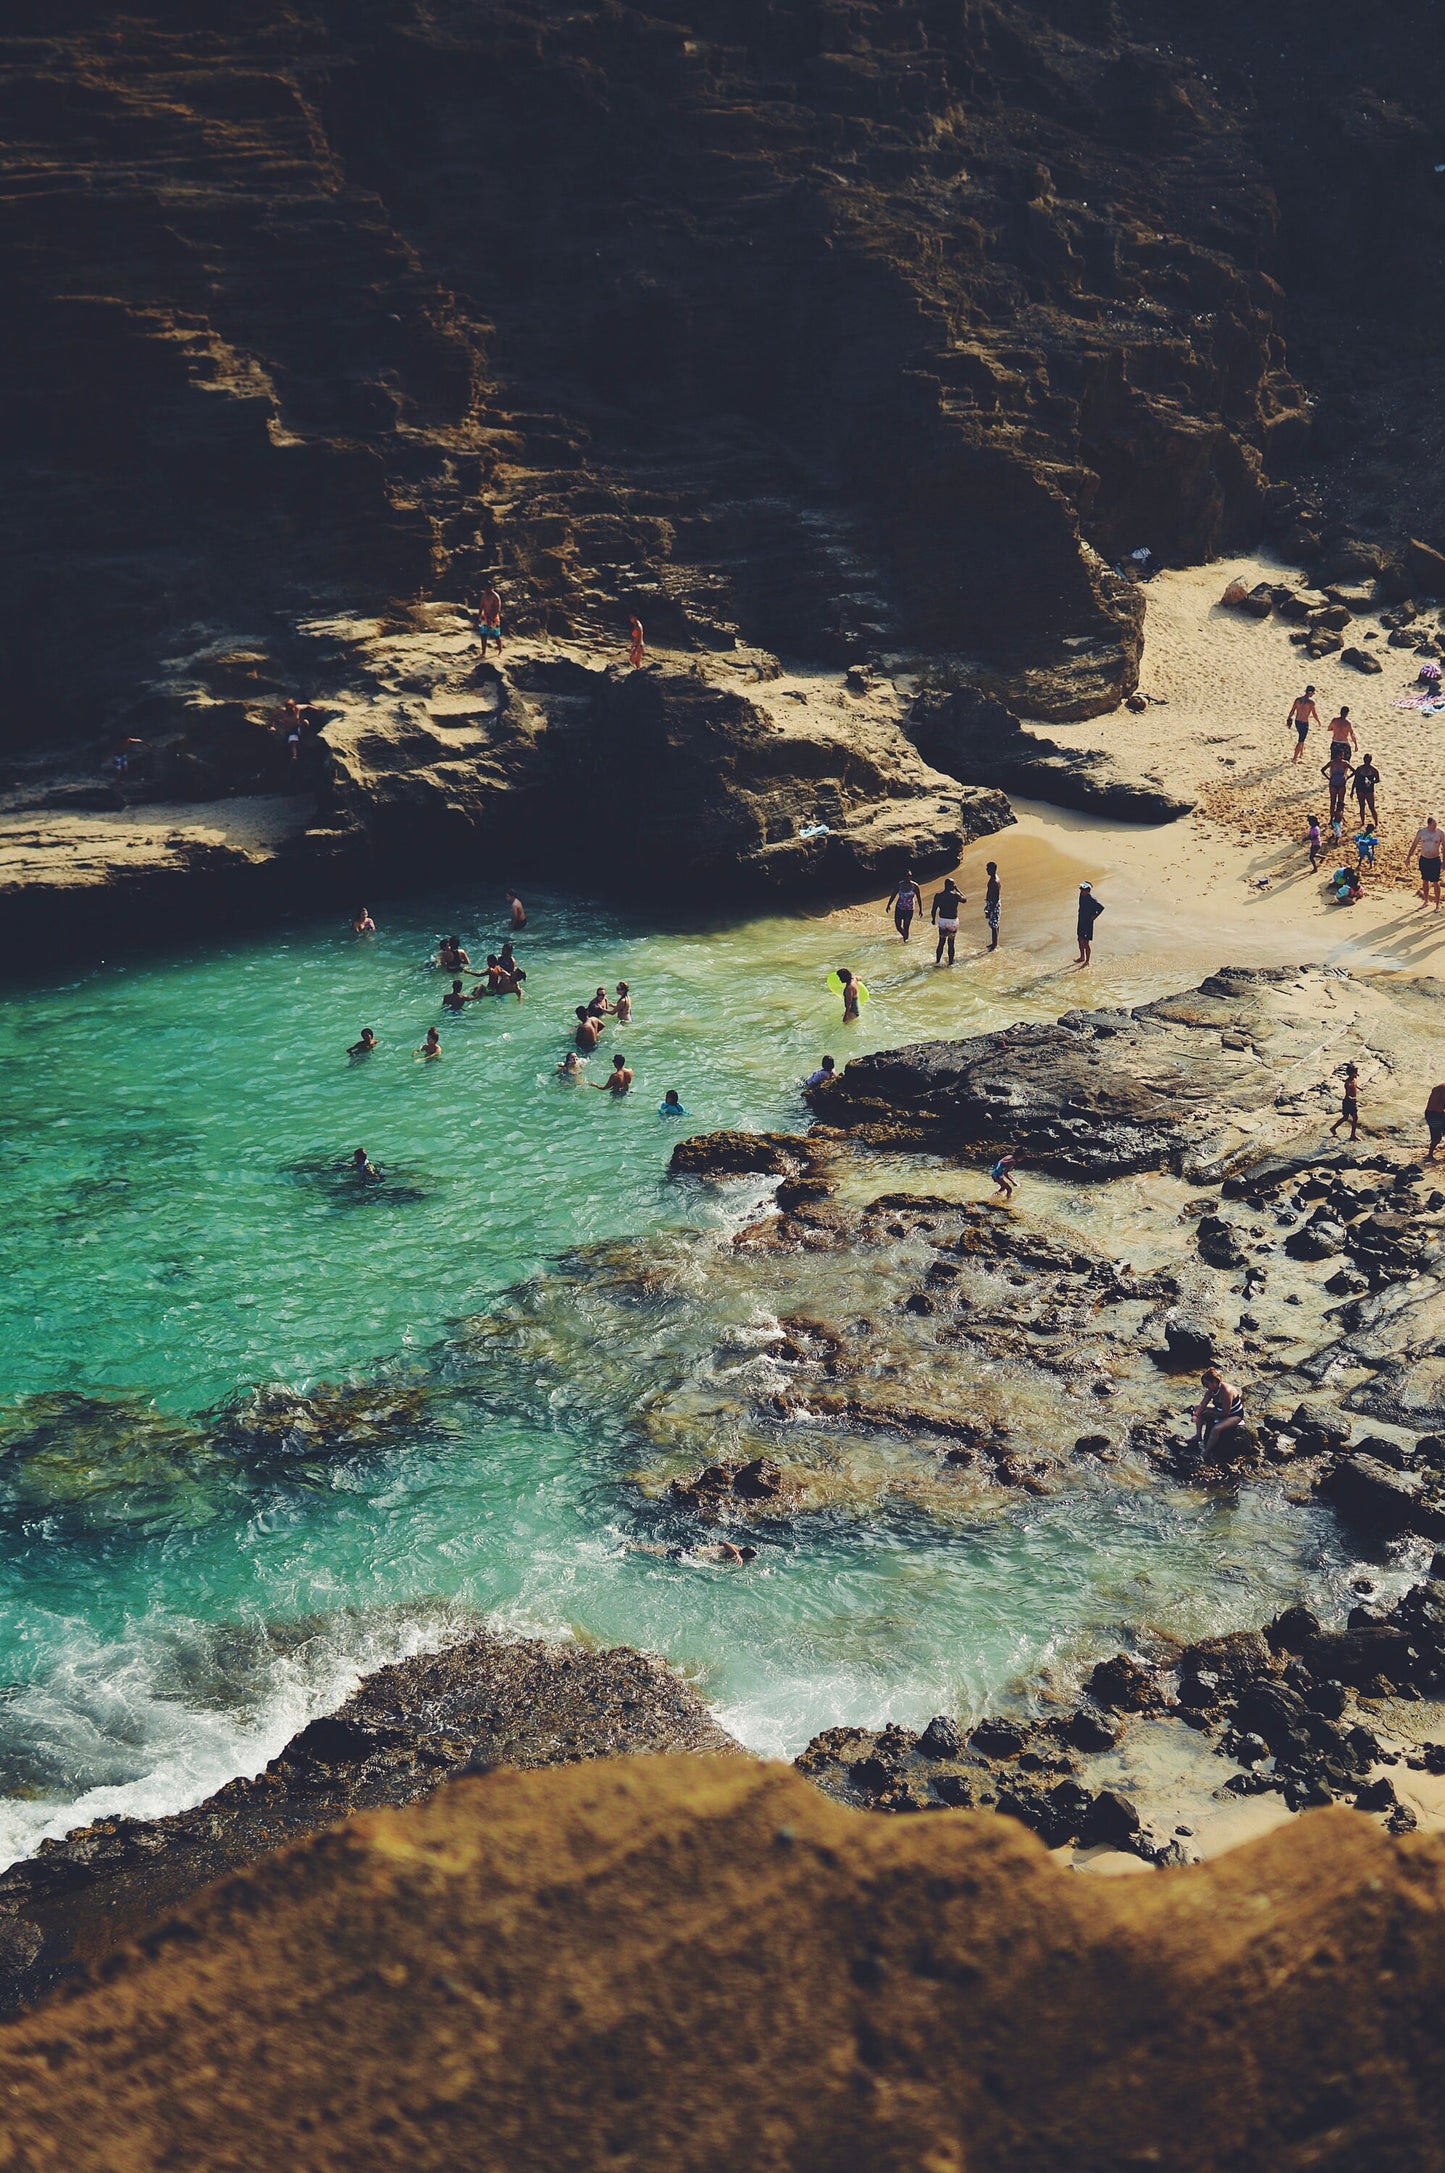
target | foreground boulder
x=666, y=1964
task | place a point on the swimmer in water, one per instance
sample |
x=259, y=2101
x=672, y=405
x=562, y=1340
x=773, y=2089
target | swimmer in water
x=455, y=999
x=364, y=1170
x=852, y=1000
x=507, y=957
x=589, y=1031
x=623, y=1005
x=363, y=925
x=431, y=1048
x=826, y=1070
x=492, y=976
x=511, y=984
x=618, y=1080
x=517, y=909
x=601, y=1006
x=451, y=957
x=570, y=1068
x=366, y=1044
x=670, y=1106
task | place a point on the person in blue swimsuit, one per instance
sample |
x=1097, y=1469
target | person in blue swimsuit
x=670, y=1106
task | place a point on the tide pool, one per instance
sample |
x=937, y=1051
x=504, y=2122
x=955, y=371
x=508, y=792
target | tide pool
x=177, y=1231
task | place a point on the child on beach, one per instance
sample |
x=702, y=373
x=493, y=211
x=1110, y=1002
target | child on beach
x=1365, y=843
x=1315, y=842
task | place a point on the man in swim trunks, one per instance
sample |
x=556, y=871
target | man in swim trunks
x=1089, y=911
x=618, y=1080
x=517, y=909
x=992, y=902
x=905, y=901
x=1219, y=1412
x=489, y=618
x=1435, y=1119
x=945, y=915
x=1342, y=732
x=455, y=999
x=1428, y=846
x=589, y=1031
x=1349, y=1103
x=1302, y=715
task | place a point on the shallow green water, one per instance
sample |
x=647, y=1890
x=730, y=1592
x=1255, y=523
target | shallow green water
x=175, y=1231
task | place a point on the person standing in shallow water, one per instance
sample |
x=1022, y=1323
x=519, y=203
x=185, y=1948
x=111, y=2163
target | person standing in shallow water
x=1089, y=911
x=852, y=994
x=517, y=910
x=905, y=901
x=944, y=915
x=618, y=1080
x=992, y=902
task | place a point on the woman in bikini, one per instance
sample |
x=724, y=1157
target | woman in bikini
x=1219, y=1411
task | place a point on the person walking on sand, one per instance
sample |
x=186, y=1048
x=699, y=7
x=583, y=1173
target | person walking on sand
x=1363, y=784
x=1089, y=911
x=1315, y=842
x=1428, y=847
x=618, y=1080
x=1349, y=1103
x=635, y=648
x=489, y=618
x=1342, y=732
x=1435, y=1119
x=1003, y=1177
x=945, y=917
x=906, y=900
x=992, y=902
x=1302, y=714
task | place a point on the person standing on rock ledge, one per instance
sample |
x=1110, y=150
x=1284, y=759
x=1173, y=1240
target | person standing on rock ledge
x=906, y=900
x=992, y=902
x=945, y=916
x=1435, y=1119
x=1349, y=1103
x=634, y=642
x=1089, y=911
x=489, y=618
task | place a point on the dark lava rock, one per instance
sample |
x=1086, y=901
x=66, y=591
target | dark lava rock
x=1376, y=1795
x=940, y=1739
x=719, y=1484
x=1275, y=1712
x=1373, y=1494
x=1292, y=1630
x=1123, y=1685
x=1219, y=1243
x=1316, y=1241
x=1233, y=1659
x=1188, y=1344
x=1113, y=1820
x=1360, y=660
x=735, y=1154
x=1359, y=1657
x=480, y=1703
x=1095, y=1095
x=998, y=1738
x=1088, y=1730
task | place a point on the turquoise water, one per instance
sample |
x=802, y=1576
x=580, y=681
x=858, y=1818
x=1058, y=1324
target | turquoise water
x=177, y=1233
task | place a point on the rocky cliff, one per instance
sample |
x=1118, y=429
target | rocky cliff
x=706, y=1965
x=820, y=327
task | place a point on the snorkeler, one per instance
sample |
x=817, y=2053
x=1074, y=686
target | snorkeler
x=431, y=1048
x=618, y=1080
x=366, y=1044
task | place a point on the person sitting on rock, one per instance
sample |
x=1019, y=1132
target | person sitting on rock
x=1219, y=1411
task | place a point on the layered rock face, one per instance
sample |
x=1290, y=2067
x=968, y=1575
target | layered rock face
x=823, y=328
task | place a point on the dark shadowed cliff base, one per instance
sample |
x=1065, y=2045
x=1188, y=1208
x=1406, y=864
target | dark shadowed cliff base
x=706, y=1966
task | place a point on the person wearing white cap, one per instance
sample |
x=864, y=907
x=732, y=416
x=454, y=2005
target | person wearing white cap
x=1089, y=911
